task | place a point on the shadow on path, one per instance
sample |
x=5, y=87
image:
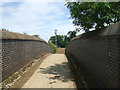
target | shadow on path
x=60, y=72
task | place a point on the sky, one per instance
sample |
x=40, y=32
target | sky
x=33, y=17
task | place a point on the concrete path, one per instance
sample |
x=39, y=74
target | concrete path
x=54, y=72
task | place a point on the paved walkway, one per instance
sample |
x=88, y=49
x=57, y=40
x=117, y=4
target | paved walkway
x=54, y=72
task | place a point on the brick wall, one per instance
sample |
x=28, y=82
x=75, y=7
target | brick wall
x=98, y=53
x=18, y=52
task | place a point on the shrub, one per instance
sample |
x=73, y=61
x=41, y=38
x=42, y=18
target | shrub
x=53, y=46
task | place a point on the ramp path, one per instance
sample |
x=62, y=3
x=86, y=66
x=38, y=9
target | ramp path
x=54, y=72
x=60, y=51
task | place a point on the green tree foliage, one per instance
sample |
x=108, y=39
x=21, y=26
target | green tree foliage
x=4, y=29
x=36, y=35
x=94, y=14
x=25, y=33
x=61, y=40
x=71, y=34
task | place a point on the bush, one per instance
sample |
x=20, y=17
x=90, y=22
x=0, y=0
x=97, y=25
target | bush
x=53, y=46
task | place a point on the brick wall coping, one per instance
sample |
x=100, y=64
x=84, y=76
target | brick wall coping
x=111, y=30
x=11, y=35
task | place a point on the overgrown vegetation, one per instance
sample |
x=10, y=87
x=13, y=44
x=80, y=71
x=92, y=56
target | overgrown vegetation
x=25, y=33
x=53, y=46
x=4, y=29
x=36, y=35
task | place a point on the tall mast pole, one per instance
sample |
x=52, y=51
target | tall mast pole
x=56, y=37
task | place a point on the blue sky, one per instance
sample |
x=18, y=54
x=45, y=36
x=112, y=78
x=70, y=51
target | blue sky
x=36, y=18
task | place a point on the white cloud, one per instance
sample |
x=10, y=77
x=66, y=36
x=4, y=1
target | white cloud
x=33, y=0
x=37, y=18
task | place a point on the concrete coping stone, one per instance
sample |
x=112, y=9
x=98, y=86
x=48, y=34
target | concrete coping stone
x=112, y=30
x=4, y=35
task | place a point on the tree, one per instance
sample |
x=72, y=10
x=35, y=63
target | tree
x=94, y=14
x=25, y=33
x=36, y=35
x=71, y=34
x=3, y=29
x=61, y=40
